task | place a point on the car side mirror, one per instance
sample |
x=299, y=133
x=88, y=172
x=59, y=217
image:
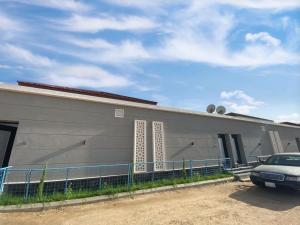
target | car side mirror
x=261, y=160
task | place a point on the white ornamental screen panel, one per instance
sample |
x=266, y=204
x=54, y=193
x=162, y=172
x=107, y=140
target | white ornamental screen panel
x=140, y=149
x=158, y=137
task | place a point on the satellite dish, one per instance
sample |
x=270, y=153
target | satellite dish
x=211, y=108
x=221, y=110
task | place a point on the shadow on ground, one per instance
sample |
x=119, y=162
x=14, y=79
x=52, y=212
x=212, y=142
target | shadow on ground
x=272, y=199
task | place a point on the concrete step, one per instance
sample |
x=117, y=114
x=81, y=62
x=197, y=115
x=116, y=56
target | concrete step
x=242, y=176
x=242, y=171
x=242, y=168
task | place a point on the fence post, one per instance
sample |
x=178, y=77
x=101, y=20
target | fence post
x=4, y=172
x=100, y=182
x=129, y=175
x=173, y=169
x=28, y=179
x=206, y=169
x=191, y=168
x=230, y=163
x=152, y=174
x=66, y=181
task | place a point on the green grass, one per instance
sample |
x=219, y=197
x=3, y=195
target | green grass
x=6, y=199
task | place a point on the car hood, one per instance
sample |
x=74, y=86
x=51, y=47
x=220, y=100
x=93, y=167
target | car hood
x=288, y=170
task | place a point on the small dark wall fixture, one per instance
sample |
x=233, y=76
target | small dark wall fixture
x=287, y=145
x=185, y=148
x=61, y=151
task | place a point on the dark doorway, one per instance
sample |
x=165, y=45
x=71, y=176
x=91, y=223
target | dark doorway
x=223, y=145
x=7, y=138
x=239, y=149
x=298, y=143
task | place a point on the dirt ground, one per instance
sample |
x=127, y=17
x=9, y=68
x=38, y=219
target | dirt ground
x=231, y=203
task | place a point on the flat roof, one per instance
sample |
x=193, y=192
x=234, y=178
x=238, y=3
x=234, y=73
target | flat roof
x=247, y=116
x=290, y=123
x=84, y=92
x=75, y=96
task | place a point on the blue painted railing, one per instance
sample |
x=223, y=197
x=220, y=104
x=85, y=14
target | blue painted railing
x=3, y=173
x=25, y=181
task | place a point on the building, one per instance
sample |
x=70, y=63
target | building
x=65, y=126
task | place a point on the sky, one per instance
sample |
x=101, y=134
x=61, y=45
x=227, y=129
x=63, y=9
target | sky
x=244, y=54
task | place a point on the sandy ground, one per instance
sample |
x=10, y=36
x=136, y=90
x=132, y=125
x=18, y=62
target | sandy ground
x=232, y=203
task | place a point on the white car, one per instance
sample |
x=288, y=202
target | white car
x=279, y=170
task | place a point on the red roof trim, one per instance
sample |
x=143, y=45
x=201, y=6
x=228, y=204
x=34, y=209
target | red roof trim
x=85, y=92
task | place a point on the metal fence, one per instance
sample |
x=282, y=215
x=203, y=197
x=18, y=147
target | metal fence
x=32, y=181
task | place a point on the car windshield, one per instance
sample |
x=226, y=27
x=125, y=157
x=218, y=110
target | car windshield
x=284, y=160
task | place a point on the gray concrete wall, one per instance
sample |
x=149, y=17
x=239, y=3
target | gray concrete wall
x=53, y=129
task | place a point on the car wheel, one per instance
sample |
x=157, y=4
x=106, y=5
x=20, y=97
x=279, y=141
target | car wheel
x=258, y=183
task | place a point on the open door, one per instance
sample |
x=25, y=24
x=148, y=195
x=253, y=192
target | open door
x=238, y=149
x=7, y=138
x=231, y=146
x=223, y=146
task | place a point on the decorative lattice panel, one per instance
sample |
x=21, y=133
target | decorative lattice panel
x=158, y=145
x=140, y=149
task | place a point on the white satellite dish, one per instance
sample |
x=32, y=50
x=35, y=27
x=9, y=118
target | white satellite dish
x=221, y=110
x=211, y=108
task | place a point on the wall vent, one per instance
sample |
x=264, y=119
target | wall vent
x=119, y=113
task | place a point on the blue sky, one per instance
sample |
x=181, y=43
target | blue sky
x=187, y=54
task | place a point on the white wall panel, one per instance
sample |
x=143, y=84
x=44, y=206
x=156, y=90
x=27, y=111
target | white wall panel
x=140, y=146
x=158, y=138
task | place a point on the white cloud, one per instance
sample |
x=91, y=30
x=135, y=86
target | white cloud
x=293, y=118
x=101, y=51
x=263, y=4
x=285, y=20
x=204, y=37
x=137, y=3
x=238, y=101
x=85, y=76
x=68, y=5
x=264, y=37
x=10, y=27
x=197, y=31
x=126, y=51
x=252, y=4
x=2, y=66
x=7, y=23
x=24, y=56
x=51, y=71
x=90, y=43
x=78, y=23
x=186, y=35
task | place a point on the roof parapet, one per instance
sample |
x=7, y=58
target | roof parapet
x=85, y=92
